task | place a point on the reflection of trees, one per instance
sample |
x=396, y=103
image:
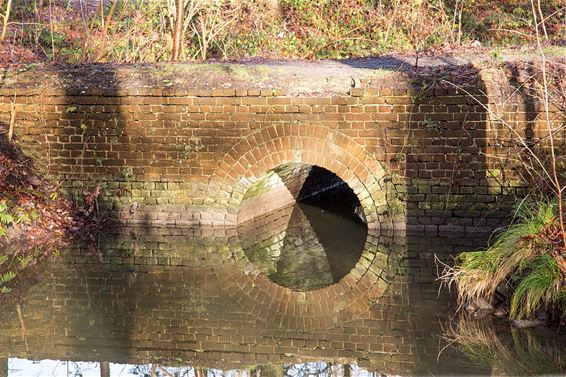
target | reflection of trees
x=156, y=370
x=310, y=369
x=3, y=367
x=515, y=352
x=316, y=369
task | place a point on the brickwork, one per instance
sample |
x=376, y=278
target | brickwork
x=193, y=297
x=416, y=154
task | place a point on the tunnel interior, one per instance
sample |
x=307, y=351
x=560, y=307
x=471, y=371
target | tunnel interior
x=302, y=183
x=304, y=226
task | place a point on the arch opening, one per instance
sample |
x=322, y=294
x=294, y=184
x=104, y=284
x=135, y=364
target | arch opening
x=302, y=226
x=302, y=183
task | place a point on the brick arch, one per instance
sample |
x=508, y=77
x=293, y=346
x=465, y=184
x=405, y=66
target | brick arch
x=270, y=147
x=322, y=308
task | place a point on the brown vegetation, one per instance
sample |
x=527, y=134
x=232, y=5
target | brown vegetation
x=34, y=220
x=155, y=30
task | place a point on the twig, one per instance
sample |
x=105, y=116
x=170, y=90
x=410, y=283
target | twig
x=25, y=23
x=51, y=31
x=555, y=180
x=22, y=325
x=12, y=119
x=164, y=371
x=499, y=119
x=109, y=17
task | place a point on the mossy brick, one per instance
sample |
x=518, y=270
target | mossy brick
x=310, y=119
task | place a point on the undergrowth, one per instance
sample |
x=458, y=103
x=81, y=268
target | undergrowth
x=142, y=31
x=34, y=220
x=527, y=259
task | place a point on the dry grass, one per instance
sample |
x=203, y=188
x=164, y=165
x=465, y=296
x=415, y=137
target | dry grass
x=517, y=353
x=525, y=257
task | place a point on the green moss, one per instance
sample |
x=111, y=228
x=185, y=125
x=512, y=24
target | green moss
x=260, y=187
x=555, y=51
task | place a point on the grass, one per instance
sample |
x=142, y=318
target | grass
x=527, y=257
x=515, y=354
x=541, y=287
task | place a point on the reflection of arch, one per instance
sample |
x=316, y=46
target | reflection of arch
x=300, y=248
x=318, y=145
x=322, y=308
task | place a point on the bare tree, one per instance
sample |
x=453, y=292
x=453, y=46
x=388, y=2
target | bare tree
x=212, y=21
x=178, y=31
x=420, y=23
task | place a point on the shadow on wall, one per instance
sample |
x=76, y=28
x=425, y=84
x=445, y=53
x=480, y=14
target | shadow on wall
x=99, y=140
x=528, y=115
x=104, y=136
x=443, y=154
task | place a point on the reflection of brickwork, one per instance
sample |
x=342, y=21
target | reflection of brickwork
x=194, y=299
x=187, y=155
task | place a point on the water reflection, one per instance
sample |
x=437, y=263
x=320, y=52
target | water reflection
x=191, y=298
x=57, y=368
x=509, y=351
x=305, y=247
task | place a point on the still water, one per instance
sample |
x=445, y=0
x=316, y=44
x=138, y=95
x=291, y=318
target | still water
x=300, y=292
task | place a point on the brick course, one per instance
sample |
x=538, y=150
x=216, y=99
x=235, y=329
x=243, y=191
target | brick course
x=416, y=157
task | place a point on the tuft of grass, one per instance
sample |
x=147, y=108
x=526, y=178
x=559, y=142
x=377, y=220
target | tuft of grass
x=525, y=257
x=540, y=288
x=517, y=353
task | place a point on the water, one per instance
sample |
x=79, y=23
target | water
x=304, y=247
x=299, y=292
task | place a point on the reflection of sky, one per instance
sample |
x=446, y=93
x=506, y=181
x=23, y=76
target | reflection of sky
x=321, y=369
x=56, y=368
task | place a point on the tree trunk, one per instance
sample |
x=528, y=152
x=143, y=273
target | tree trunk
x=3, y=367
x=104, y=369
x=178, y=32
x=6, y=19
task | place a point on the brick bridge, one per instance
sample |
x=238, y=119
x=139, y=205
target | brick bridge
x=201, y=144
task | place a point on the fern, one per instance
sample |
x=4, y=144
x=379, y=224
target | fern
x=6, y=218
x=25, y=261
x=7, y=277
